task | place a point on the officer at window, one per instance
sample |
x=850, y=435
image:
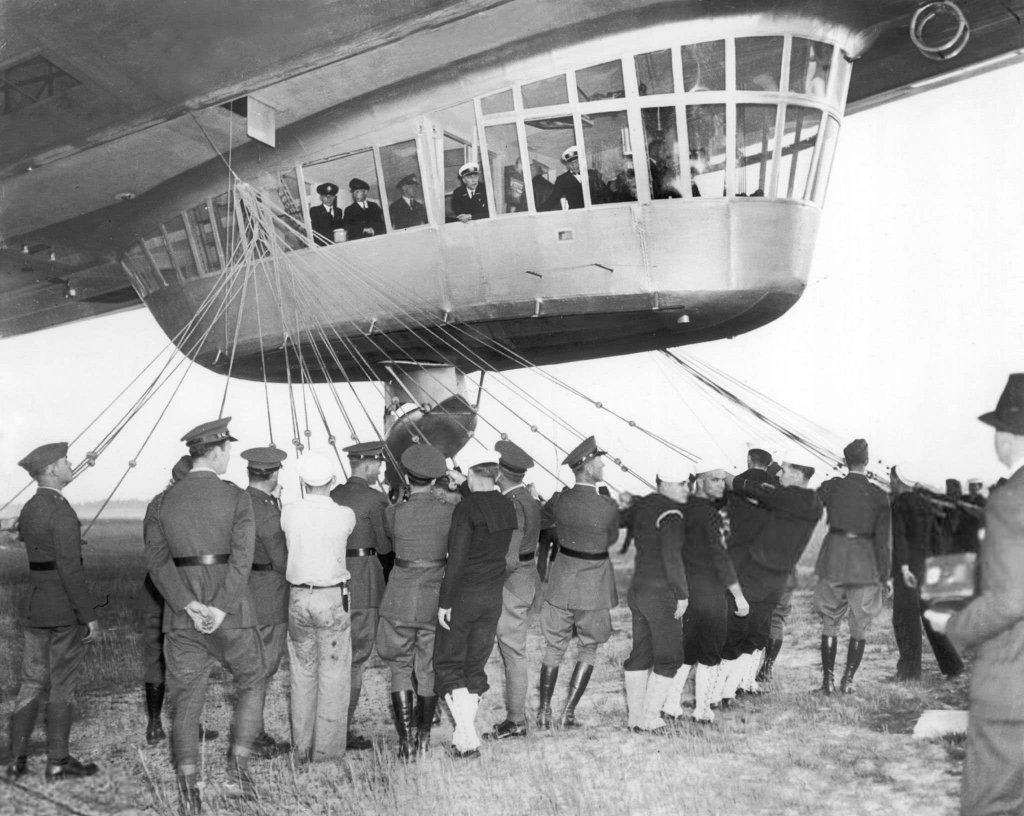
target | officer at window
x=407, y=210
x=568, y=192
x=469, y=200
x=326, y=217
x=362, y=219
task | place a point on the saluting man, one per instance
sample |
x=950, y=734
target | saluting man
x=61, y=617
x=267, y=581
x=520, y=587
x=365, y=544
x=581, y=585
x=199, y=553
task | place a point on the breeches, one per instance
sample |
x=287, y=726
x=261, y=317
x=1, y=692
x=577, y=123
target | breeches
x=50, y=664
x=461, y=652
x=657, y=635
x=153, y=666
x=782, y=609
x=512, y=630
x=406, y=648
x=592, y=627
x=833, y=602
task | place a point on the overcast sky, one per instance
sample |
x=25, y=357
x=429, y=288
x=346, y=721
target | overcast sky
x=906, y=333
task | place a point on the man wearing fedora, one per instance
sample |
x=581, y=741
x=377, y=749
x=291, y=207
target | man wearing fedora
x=326, y=216
x=993, y=625
x=362, y=218
x=407, y=210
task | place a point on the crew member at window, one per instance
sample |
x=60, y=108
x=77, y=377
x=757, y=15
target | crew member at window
x=326, y=217
x=362, y=219
x=568, y=192
x=407, y=210
x=469, y=200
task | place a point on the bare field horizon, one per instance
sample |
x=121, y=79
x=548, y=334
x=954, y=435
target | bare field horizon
x=791, y=751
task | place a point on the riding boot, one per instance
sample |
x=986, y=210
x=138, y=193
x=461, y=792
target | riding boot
x=425, y=713
x=829, y=644
x=577, y=685
x=23, y=721
x=854, y=653
x=402, y=703
x=770, y=653
x=154, y=707
x=548, y=679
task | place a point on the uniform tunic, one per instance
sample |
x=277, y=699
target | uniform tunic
x=151, y=606
x=325, y=222
x=746, y=517
x=357, y=218
x=472, y=205
x=709, y=572
x=418, y=529
x=478, y=545
x=407, y=213
x=580, y=591
x=659, y=582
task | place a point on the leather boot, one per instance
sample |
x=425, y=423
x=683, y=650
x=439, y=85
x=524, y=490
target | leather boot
x=577, y=685
x=548, y=679
x=154, y=707
x=828, y=664
x=59, y=764
x=23, y=722
x=402, y=703
x=764, y=674
x=854, y=653
x=425, y=713
x=190, y=803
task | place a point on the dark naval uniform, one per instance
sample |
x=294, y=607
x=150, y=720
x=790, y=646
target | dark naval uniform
x=325, y=222
x=569, y=187
x=366, y=582
x=474, y=205
x=746, y=516
x=658, y=583
x=407, y=213
x=59, y=605
x=357, y=218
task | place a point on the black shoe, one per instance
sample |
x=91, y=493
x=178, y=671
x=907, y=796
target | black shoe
x=357, y=742
x=155, y=732
x=473, y=753
x=506, y=730
x=207, y=734
x=266, y=747
x=69, y=768
x=16, y=767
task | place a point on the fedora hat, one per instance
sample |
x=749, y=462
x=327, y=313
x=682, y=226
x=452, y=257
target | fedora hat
x=1009, y=413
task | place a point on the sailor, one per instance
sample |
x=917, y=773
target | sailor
x=407, y=210
x=470, y=600
x=658, y=598
x=362, y=218
x=853, y=564
x=152, y=607
x=319, y=644
x=326, y=217
x=581, y=585
x=199, y=553
x=267, y=581
x=568, y=191
x=792, y=511
x=365, y=546
x=520, y=587
x=60, y=620
x=418, y=529
x=469, y=199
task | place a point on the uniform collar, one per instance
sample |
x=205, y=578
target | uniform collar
x=52, y=490
x=583, y=484
x=359, y=480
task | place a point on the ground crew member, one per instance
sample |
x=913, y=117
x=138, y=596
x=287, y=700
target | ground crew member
x=520, y=588
x=199, y=553
x=471, y=599
x=319, y=644
x=658, y=598
x=418, y=529
x=581, y=585
x=854, y=563
x=267, y=581
x=367, y=542
x=60, y=620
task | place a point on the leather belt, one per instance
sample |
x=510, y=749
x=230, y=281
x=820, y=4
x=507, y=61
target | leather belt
x=42, y=566
x=527, y=556
x=201, y=560
x=586, y=556
x=847, y=534
x=419, y=562
x=360, y=553
x=262, y=567
x=343, y=585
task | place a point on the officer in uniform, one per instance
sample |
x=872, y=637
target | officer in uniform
x=407, y=210
x=658, y=598
x=520, y=588
x=418, y=529
x=60, y=620
x=854, y=563
x=569, y=187
x=469, y=199
x=581, y=585
x=199, y=553
x=470, y=600
x=366, y=543
x=326, y=217
x=362, y=219
x=267, y=581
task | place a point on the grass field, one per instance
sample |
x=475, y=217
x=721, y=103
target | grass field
x=788, y=752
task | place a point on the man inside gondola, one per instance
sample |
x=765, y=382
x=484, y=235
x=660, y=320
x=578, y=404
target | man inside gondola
x=326, y=217
x=568, y=191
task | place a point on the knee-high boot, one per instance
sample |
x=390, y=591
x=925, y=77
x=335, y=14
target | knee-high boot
x=854, y=653
x=425, y=713
x=829, y=644
x=764, y=675
x=154, y=707
x=548, y=678
x=402, y=705
x=577, y=685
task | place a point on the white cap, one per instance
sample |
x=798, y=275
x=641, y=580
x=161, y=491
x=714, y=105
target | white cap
x=571, y=152
x=469, y=167
x=316, y=469
x=796, y=456
x=674, y=470
x=708, y=465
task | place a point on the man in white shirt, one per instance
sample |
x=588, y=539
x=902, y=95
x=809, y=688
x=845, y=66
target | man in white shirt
x=319, y=631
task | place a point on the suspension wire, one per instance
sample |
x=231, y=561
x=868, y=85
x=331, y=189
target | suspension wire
x=234, y=346
x=263, y=365
x=693, y=412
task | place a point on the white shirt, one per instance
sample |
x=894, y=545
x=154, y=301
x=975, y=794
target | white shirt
x=317, y=532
